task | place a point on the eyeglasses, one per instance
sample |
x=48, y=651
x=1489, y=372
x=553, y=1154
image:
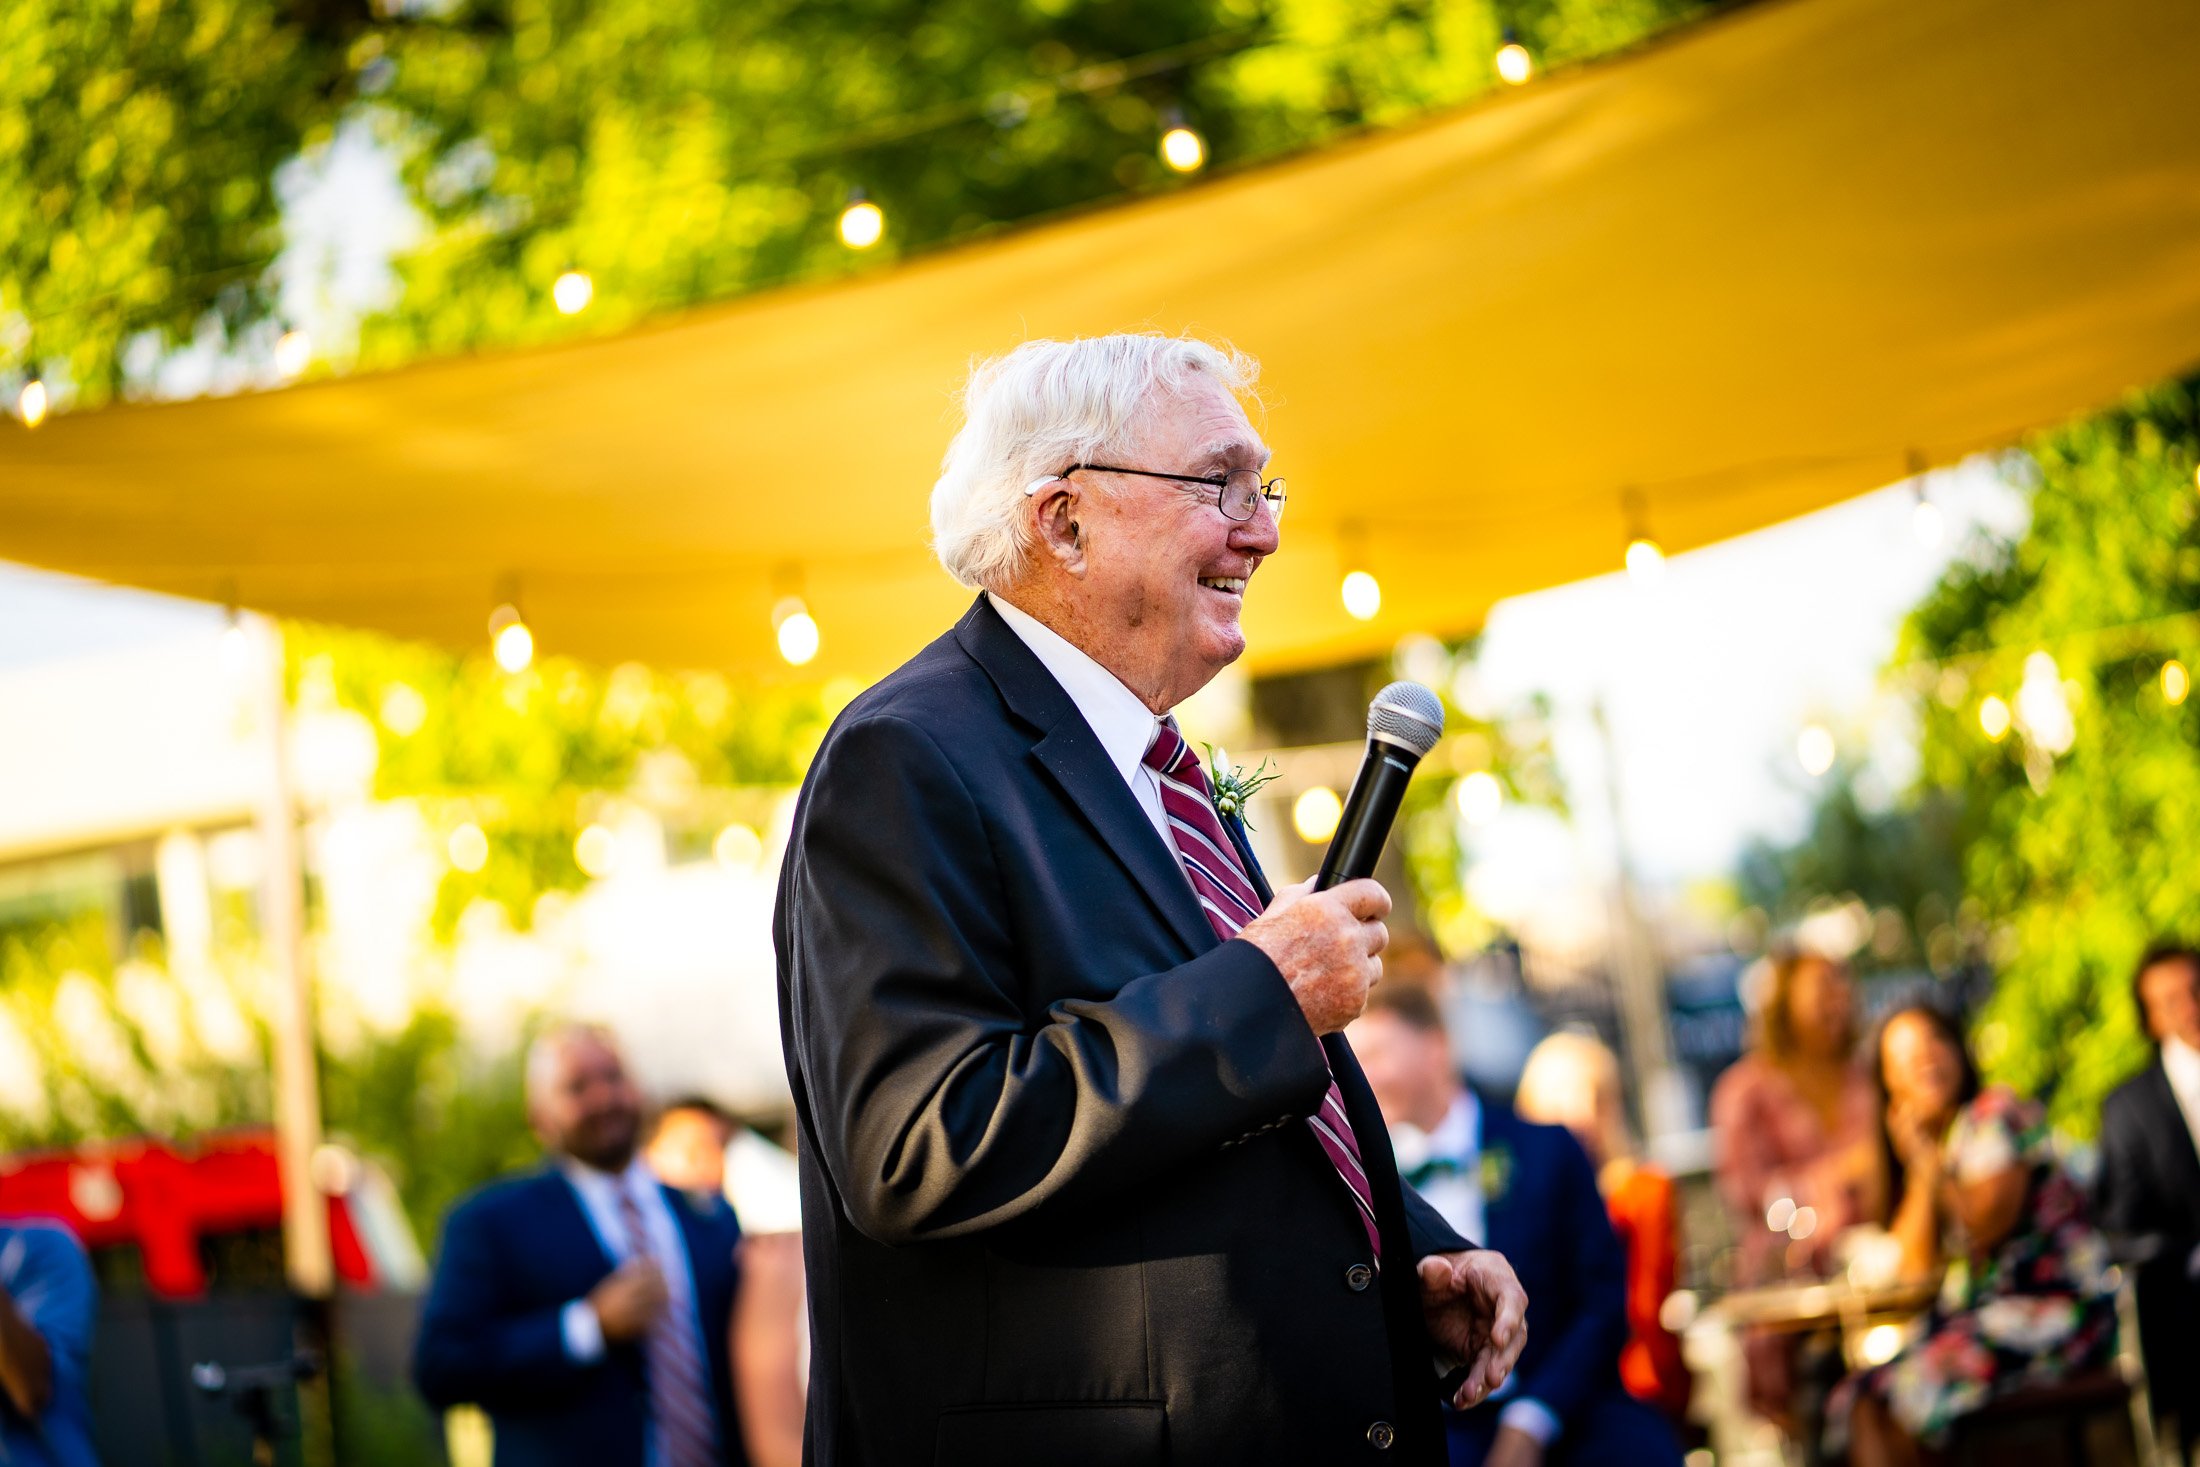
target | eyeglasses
x=1237, y=493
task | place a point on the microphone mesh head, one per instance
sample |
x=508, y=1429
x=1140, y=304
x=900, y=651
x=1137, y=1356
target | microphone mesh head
x=1408, y=715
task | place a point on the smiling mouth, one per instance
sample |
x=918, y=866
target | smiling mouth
x=1229, y=585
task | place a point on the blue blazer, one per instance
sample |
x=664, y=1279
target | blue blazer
x=1543, y=1212
x=514, y=1255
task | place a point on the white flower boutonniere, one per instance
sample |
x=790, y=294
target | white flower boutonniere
x=1233, y=786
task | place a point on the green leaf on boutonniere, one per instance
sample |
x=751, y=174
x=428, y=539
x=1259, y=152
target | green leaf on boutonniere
x=1496, y=1172
x=1233, y=786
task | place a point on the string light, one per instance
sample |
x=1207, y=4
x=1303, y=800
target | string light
x=1927, y=522
x=1183, y=149
x=468, y=848
x=594, y=851
x=572, y=291
x=2176, y=682
x=30, y=403
x=293, y=353
x=1362, y=595
x=509, y=638
x=1814, y=747
x=1315, y=813
x=1514, y=64
x=1645, y=560
x=1479, y=797
x=738, y=847
x=1993, y=718
x=862, y=223
x=797, y=631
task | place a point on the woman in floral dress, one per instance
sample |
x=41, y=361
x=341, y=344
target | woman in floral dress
x=2025, y=1300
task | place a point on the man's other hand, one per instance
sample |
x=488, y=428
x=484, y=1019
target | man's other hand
x=1328, y=946
x=628, y=1302
x=1513, y=1447
x=1476, y=1312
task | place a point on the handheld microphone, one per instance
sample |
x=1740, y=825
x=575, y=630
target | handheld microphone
x=1403, y=723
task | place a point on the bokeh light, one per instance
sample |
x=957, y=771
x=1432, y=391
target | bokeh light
x=1183, y=150
x=1315, y=813
x=572, y=292
x=595, y=851
x=797, y=631
x=468, y=848
x=1514, y=64
x=862, y=224
x=1362, y=595
x=1993, y=717
x=1815, y=748
x=2176, y=682
x=30, y=403
x=1479, y=797
x=1645, y=560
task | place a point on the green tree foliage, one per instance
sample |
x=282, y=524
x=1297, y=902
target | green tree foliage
x=2054, y=766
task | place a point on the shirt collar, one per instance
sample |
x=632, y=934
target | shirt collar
x=2181, y=1062
x=1118, y=718
x=1459, y=1133
x=606, y=1186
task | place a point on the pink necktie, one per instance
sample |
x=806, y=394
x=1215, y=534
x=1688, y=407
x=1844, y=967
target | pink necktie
x=1226, y=894
x=679, y=1389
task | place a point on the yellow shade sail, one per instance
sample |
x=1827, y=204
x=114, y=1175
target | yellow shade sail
x=1737, y=276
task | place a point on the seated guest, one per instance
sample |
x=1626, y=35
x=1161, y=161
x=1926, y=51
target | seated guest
x=1572, y=1080
x=2150, y=1181
x=1530, y=1192
x=1793, y=1123
x=47, y=1303
x=1975, y=1186
x=586, y=1306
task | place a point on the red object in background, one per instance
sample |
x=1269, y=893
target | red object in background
x=164, y=1200
x=1650, y=1364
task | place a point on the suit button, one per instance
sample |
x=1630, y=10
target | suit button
x=1381, y=1435
x=1358, y=1277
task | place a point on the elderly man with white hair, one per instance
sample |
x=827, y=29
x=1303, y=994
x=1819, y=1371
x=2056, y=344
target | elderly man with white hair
x=1090, y=1176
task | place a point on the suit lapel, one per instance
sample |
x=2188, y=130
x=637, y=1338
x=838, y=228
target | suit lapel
x=1071, y=756
x=2180, y=1151
x=567, y=1213
x=1244, y=844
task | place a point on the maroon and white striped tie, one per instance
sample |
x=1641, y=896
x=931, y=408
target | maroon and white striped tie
x=679, y=1388
x=1226, y=894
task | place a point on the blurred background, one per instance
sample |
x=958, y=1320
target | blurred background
x=429, y=573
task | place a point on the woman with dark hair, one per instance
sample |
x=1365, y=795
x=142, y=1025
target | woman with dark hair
x=1975, y=1186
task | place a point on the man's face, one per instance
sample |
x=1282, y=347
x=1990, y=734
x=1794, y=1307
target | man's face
x=2169, y=995
x=586, y=1107
x=1165, y=569
x=1408, y=1069
x=689, y=1151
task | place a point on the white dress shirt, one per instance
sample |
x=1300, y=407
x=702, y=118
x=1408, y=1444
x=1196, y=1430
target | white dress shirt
x=1119, y=718
x=2181, y=1062
x=599, y=1197
x=1457, y=1195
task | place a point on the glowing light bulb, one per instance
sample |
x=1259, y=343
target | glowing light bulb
x=468, y=848
x=2176, y=682
x=1814, y=747
x=738, y=847
x=1514, y=64
x=1479, y=797
x=797, y=631
x=509, y=639
x=595, y=851
x=1183, y=149
x=30, y=403
x=1362, y=594
x=1315, y=813
x=1993, y=718
x=1928, y=523
x=572, y=292
x=862, y=224
x=1645, y=560
x=293, y=353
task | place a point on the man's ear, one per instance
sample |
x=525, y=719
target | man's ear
x=1060, y=535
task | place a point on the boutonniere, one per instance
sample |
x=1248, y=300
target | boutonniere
x=1497, y=1169
x=1233, y=786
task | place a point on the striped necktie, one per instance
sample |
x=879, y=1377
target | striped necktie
x=679, y=1388
x=1227, y=896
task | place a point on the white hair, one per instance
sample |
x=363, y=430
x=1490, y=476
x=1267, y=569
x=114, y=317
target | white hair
x=1037, y=410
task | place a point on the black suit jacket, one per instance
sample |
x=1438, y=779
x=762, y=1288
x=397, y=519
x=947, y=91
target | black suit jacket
x=1058, y=1202
x=2150, y=1187
x=514, y=1255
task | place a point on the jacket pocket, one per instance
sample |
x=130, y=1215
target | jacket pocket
x=1055, y=1434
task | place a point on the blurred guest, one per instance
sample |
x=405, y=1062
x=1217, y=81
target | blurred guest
x=2150, y=1180
x=1572, y=1080
x=1530, y=1191
x=1793, y=1123
x=687, y=1147
x=1975, y=1186
x=47, y=1303
x=586, y=1306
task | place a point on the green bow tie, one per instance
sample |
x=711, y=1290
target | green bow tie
x=1436, y=1166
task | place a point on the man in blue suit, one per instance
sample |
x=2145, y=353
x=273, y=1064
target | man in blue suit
x=586, y=1306
x=1529, y=1191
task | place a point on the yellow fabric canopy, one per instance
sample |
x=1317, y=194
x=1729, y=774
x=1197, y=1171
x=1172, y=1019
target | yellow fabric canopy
x=1735, y=277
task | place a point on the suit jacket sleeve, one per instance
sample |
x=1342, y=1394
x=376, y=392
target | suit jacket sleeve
x=475, y=1346
x=2123, y=1168
x=943, y=1109
x=1584, y=1356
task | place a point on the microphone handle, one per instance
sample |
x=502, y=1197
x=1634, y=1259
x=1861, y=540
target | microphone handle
x=1368, y=814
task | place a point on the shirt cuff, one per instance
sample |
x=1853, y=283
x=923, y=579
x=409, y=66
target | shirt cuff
x=583, y=1332
x=1531, y=1418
